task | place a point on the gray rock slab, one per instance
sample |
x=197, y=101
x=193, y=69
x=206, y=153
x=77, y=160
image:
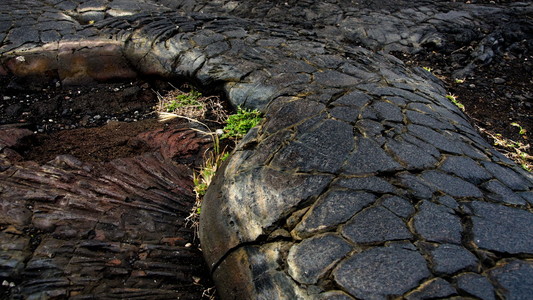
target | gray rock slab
x=501, y=193
x=516, y=279
x=252, y=272
x=448, y=202
x=451, y=185
x=286, y=111
x=509, y=177
x=355, y=99
x=369, y=183
x=368, y=157
x=345, y=113
x=502, y=229
x=251, y=198
x=465, y=168
x=381, y=272
x=426, y=120
x=375, y=224
x=398, y=205
x=411, y=155
x=476, y=285
x=527, y=196
x=335, y=79
x=414, y=186
x=441, y=141
x=335, y=208
x=322, y=149
x=437, y=223
x=432, y=289
x=448, y=259
x=387, y=111
x=309, y=260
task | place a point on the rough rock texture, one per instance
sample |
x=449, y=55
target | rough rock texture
x=356, y=150
x=104, y=230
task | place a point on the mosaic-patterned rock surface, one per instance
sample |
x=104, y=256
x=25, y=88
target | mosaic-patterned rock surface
x=363, y=181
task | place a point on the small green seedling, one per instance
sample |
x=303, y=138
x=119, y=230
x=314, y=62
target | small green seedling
x=427, y=69
x=454, y=100
x=522, y=129
x=457, y=80
x=240, y=123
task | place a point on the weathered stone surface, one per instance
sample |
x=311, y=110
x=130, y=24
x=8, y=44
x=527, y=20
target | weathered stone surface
x=516, y=278
x=412, y=156
x=313, y=257
x=334, y=208
x=502, y=229
x=451, y=185
x=285, y=112
x=414, y=186
x=501, y=193
x=335, y=79
x=435, y=288
x=253, y=270
x=381, y=272
x=448, y=202
x=112, y=229
x=442, y=141
x=437, y=223
x=355, y=99
x=448, y=259
x=369, y=183
x=375, y=224
x=509, y=177
x=400, y=206
x=466, y=168
x=368, y=157
x=264, y=205
x=476, y=285
x=314, y=150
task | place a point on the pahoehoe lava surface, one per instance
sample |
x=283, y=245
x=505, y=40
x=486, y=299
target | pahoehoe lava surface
x=363, y=181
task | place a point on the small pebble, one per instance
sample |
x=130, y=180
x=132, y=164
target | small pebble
x=188, y=245
x=499, y=80
x=97, y=117
x=7, y=98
